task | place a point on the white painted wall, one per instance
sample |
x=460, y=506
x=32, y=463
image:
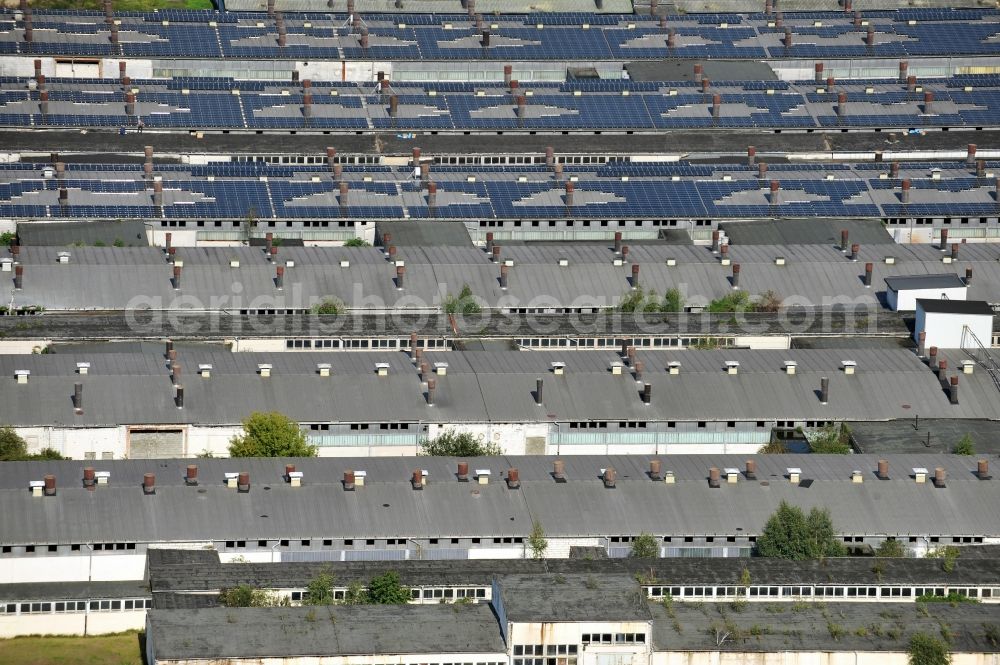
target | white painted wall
x=518, y=552
x=807, y=658
x=945, y=330
x=511, y=437
x=75, y=623
x=22, y=346
x=76, y=442
x=211, y=439
x=906, y=300
x=570, y=632
x=84, y=567
x=765, y=341
x=559, y=547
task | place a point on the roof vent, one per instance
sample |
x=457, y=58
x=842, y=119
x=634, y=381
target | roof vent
x=751, y=469
x=323, y=369
x=441, y=368
x=83, y=368
x=463, y=472
x=968, y=366
x=939, y=476
x=732, y=475
x=359, y=478
x=856, y=477
x=191, y=476
x=616, y=367
x=149, y=484
x=558, y=368
x=350, y=480
x=983, y=470
x=609, y=476
x=849, y=366
x=483, y=476
x=668, y=477
x=63, y=257
x=102, y=477
x=231, y=479
x=920, y=474
x=713, y=477
x=21, y=375
x=883, y=469
x=790, y=366
x=654, y=469
x=382, y=369
x=513, y=478
x=265, y=369
x=205, y=371
x=418, y=479
x=794, y=474
x=295, y=478
x=732, y=367
x=559, y=471
x=674, y=367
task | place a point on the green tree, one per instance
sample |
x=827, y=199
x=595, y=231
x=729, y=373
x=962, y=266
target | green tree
x=7, y=237
x=320, y=590
x=926, y=649
x=245, y=595
x=464, y=303
x=673, y=301
x=357, y=242
x=270, y=435
x=387, y=590
x=832, y=439
x=791, y=534
x=329, y=306
x=356, y=594
x=537, y=541
x=645, y=547
x=458, y=444
x=965, y=446
x=12, y=446
x=891, y=548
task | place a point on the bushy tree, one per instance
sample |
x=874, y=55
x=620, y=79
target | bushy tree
x=458, y=444
x=387, y=590
x=926, y=649
x=537, y=541
x=328, y=306
x=791, y=534
x=637, y=300
x=13, y=448
x=319, y=591
x=832, y=439
x=891, y=548
x=357, y=242
x=270, y=435
x=245, y=595
x=464, y=303
x=645, y=547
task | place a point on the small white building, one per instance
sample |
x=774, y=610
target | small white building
x=948, y=323
x=903, y=291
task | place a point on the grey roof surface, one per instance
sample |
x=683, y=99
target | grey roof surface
x=714, y=70
x=582, y=507
x=223, y=633
x=925, y=435
x=435, y=234
x=763, y=627
x=46, y=591
x=572, y=597
x=806, y=232
x=955, y=306
x=917, y=282
x=197, y=577
x=813, y=275
x=131, y=233
x=485, y=387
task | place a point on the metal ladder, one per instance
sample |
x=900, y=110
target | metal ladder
x=978, y=352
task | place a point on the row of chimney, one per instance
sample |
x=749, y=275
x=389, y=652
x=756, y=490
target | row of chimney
x=419, y=478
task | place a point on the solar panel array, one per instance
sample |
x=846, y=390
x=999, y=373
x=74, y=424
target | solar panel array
x=620, y=190
x=573, y=36
x=191, y=103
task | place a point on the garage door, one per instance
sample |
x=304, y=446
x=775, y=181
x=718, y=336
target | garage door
x=158, y=443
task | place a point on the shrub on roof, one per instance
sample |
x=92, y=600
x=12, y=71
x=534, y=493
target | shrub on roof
x=271, y=435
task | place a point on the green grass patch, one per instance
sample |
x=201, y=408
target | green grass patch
x=122, y=5
x=119, y=649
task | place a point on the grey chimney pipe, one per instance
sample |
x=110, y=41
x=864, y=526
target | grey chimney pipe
x=775, y=193
x=508, y=70
x=538, y=391
x=179, y=396
x=824, y=390
x=841, y=104
x=463, y=472
x=78, y=397
x=751, y=155
x=431, y=387
x=761, y=170
x=618, y=242
x=18, y=277
x=953, y=392
x=922, y=344
x=904, y=193
x=400, y=272
x=844, y=235
x=647, y=393
x=954, y=251
x=559, y=471
x=870, y=37
x=869, y=267
x=968, y=276
x=635, y=275
x=713, y=477
x=50, y=485
x=932, y=358
x=818, y=76
x=928, y=102
x=513, y=478
x=736, y=275
x=243, y=482
x=279, y=277
x=944, y=240
x=489, y=243
x=883, y=469
x=970, y=155
x=894, y=170
x=191, y=478
x=177, y=277
x=610, y=477
x=343, y=196
x=503, y=276
x=855, y=248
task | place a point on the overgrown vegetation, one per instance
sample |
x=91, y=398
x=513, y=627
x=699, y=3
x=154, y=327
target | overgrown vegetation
x=245, y=595
x=741, y=301
x=271, y=434
x=464, y=303
x=13, y=448
x=952, y=598
x=649, y=301
x=329, y=306
x=319, y=591
x=123, y=5
x=775, y=447
x=117, y=649
x=7, y=237
x=965, y=446
x=948, y=555
x=357, y=242
x=890, y=548
x=458, y=444
x=387, y=590
x=645, y=546
x=832, y=439
x=381, y=590
x=792, y=534
x=537, y=541
x=926, y=649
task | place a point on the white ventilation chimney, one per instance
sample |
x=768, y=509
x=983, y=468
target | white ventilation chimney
x=483, y=476
x=616, y=367
x=264, y=369
x=790, y=366
x=732, y=367
x=205, y=371
x=36, y=487
x=856, y=477
x=6, y=265
x=382, y=369
x=295, y=478
x=668, y=477
x=968, y=366
x=920, y=474
x=359, y=478
x=234, y=263
x=849, y=366
x=732, y=475
x=441, y=368
x=794, y=474
x=323, y=368
x=674, y=367
x=232, y=478
x=63, y=257
x=83, y=368
x=558, y=368
x=21, y=375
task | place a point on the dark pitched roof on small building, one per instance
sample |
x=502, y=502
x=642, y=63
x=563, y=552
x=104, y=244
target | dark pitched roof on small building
x=954, y=306
x=916, y=282
x=572, y=597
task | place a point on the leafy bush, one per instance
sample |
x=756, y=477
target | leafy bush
x=740, y=301
x=13, y=448
x=320, y=590
x=791, y=534
x=387, y=590
x=965, y=446
x=245, y=595
x=891, y=548
x=329, y=306
x=271, y=435
x=537, y=541
x=464, y=303
x=952, y=598
x=357, y=242
x=7, y=237
x=830, y=440
x=926, y=649
x=638, y=300
x=458, y=444
x=645, y=546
